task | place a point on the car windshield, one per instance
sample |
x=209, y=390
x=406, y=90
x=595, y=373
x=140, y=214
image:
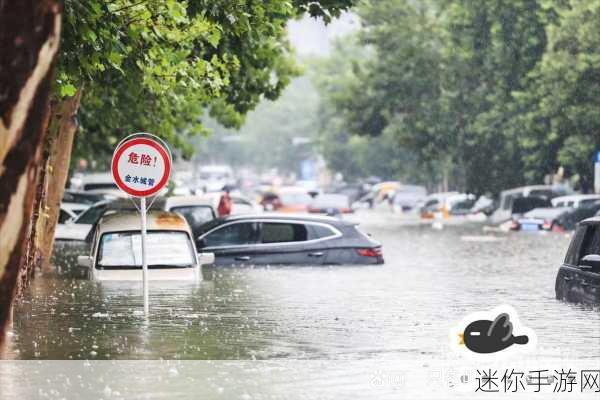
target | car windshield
x=91, y=215
x=164, y=248
x=195, y=215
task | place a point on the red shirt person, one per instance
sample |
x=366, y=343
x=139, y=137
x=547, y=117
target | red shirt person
x=224, y=208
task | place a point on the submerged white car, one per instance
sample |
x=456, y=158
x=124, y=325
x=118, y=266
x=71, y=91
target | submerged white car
x=116, y=249
x=195, y=209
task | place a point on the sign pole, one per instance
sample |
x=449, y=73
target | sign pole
x=144, y=260
x=141, y=167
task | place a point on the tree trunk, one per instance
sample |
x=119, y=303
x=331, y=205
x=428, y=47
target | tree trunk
x=63, y=126
x=29, y=41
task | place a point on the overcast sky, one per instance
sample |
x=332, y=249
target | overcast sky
x=312, y=37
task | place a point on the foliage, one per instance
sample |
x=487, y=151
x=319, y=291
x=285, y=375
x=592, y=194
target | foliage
x=156, y=65
x=496, y=93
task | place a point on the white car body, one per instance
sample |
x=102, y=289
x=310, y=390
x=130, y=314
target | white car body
x=128, y=223
x=575, y=200
x=73, y=230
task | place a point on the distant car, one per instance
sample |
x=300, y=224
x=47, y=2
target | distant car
x=213, y=178
x=275, y=239
x=239, y=203
x=576, y=200
x=195, y=209
x=79, y=201
x=444, y=203
x=330, y=204
x=407, y=197
x=243, y=205
x=518, y=207
x=286, y=199
x=558, y=219
x=116, y=248
x=538, y=219
x=96, y=183
x=578, y=279
x=353, y=191
x=506, y=205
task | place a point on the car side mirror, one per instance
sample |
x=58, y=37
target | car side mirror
x=590, y=261
x=84, y=261
x=206, y=258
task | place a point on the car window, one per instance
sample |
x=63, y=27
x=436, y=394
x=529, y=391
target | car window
x=233, y=235
x=319, y=232
x=91, y=215
x=63, y=217
x=195, y=215
x=591, y=241
x=163, y=248
x=280, y=232
x=572, y=257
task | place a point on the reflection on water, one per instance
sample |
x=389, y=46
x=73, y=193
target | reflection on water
x=403, y=309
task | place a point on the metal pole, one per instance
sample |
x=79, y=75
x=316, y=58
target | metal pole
x=144, y=260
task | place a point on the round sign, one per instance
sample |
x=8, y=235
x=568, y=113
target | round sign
x=141, y=166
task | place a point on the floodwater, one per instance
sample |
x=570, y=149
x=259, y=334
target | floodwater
x=304, y=332
x=400, y=310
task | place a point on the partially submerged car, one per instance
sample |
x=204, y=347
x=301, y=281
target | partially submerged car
x=196, y=211
x=116, y=248
x=578, y=279
x=446, y=204
x=541, y=219
x=288, y=199
x=575, y=200
x=558, y=219
x=274, y=239
x=330, y=204
x=78, y=201
x=508, y=206
x=407, y=197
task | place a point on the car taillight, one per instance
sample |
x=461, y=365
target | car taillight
x=547, y=225
x=370, y=252
x=558, y=228
x=515, y=225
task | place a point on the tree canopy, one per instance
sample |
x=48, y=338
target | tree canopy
x=494, y=93
x=157, y=65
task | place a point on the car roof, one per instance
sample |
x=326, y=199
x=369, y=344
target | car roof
x=288, y=217
x=591, y=221
x=575, y=197
x=542, y=212
x=130, y=221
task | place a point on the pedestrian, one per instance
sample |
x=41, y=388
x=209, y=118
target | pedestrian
x=224, y=208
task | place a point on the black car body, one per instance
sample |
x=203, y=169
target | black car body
x=286, y=240
x=578, y=279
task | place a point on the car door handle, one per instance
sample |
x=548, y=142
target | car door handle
x=243, y=258
x=316, y=254
x=584, y=283
x=566, y=278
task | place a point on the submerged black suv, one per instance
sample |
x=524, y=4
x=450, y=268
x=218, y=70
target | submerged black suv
x=279, y=239
x=578, y=279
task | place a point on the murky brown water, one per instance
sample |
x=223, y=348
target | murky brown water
x=401, y=310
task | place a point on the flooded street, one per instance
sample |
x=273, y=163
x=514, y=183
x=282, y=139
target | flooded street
x=400, y=310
